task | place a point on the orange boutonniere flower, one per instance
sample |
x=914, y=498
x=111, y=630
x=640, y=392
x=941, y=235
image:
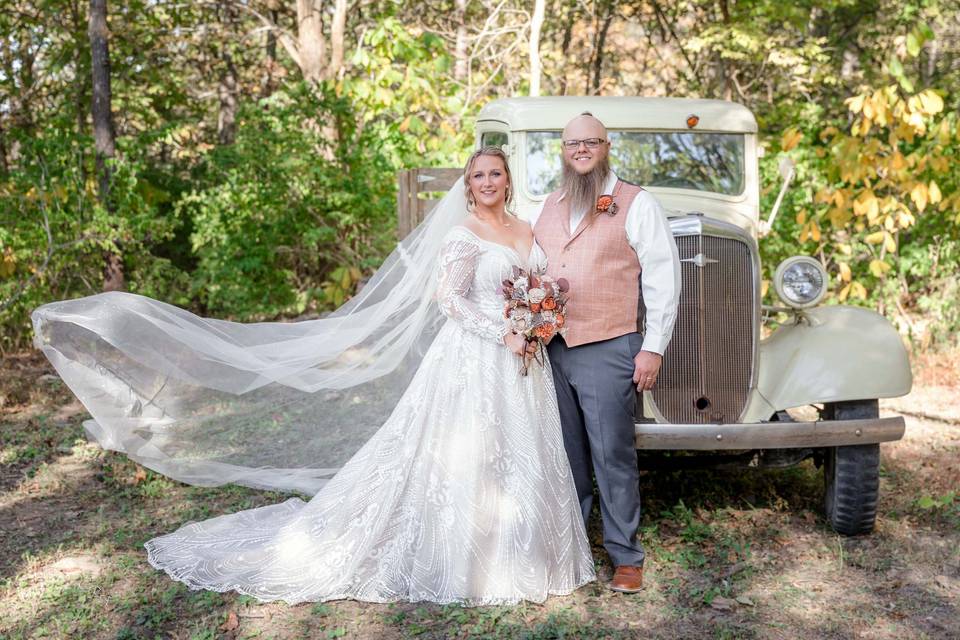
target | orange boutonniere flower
x=549, y=304
x=605, y=204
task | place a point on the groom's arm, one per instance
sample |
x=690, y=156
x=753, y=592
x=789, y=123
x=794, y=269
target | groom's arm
x=648, y=232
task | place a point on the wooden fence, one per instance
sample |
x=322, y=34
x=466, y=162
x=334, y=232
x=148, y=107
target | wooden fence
x=420, y=189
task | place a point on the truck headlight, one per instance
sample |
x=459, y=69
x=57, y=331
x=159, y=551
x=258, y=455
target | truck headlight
x=800, y=281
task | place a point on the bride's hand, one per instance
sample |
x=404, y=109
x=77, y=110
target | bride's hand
x=518, y=344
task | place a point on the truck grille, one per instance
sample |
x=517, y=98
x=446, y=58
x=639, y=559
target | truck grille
x=708, y=365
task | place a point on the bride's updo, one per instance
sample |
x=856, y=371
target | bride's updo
x=487, y=151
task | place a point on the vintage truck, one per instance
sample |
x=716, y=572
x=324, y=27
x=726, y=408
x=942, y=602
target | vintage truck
x=724, y=388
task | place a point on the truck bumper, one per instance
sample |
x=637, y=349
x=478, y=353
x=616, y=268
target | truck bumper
x=767, y=435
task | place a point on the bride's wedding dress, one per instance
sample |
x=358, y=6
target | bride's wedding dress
x=463, y=495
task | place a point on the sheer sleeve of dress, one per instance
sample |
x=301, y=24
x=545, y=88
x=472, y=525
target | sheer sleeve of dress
x=456, y=270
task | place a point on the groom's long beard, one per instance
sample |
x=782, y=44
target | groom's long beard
x=582, y=190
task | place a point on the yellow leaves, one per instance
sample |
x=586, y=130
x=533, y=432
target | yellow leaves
x=8, y=263
x=810, y=230
x=791, y=137
x=855, y=104
x=894, y=164
x=854, y=289
x=840, y=199
x=878, y=268
x=920, y=195
x=897, y=162
x=845, y=273
x=939, y=163
x=446, y=128
x=943, y=132
x=934, y=192
x=889, y=243
x=838, y=217
x=867, y=204
x=905, y=219
x=930, y=102
x=801, y=216
x=882, y=237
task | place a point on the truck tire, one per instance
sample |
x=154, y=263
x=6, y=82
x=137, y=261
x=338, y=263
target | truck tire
x=851, y=474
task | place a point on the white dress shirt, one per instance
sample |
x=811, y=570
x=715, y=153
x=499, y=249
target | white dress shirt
x=648, y=232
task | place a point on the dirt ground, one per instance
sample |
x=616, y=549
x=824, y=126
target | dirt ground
x=731, y=554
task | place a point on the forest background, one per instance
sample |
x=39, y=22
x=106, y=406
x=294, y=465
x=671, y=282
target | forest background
x=238, y=158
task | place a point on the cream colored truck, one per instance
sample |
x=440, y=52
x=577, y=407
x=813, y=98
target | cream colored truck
x=722, y=388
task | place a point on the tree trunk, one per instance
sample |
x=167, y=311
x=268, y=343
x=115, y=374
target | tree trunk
x=227, y=93
x=311, y=43
x=536, y=24
x=103, y=132
x=599, y=42
x=267, y=84
x=227, y=87
x=460, y=46
x=571, y=18
x=336, y=37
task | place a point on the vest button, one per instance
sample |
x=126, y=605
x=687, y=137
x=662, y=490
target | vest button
x=563, y=265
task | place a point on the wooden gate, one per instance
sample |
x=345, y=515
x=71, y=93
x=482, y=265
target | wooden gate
x=419, y=190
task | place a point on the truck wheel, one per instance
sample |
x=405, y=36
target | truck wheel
x=851, y=474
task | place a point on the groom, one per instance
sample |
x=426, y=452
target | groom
x=604, y=246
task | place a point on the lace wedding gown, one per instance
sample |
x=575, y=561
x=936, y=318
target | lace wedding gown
x=463, y=495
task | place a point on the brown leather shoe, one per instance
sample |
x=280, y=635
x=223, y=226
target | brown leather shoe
x=627, y=579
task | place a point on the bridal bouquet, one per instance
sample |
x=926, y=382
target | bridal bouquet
x=536, y=308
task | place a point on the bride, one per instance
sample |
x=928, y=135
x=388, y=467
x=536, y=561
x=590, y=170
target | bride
x=462, y=494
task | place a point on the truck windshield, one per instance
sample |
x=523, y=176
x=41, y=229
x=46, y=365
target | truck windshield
x=677, y=159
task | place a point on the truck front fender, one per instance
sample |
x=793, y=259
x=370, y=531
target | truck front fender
x=831, y=354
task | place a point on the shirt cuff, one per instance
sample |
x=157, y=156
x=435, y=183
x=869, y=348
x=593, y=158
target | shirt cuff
x=655, y=343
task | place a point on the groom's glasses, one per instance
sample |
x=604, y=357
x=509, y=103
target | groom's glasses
x=589, y=143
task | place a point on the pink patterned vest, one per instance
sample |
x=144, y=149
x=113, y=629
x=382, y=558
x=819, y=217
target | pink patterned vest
x=598, y=262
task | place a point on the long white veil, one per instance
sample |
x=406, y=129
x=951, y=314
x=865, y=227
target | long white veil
x=273, y=405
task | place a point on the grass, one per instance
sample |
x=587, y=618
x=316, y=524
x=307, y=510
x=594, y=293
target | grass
x=731, y=554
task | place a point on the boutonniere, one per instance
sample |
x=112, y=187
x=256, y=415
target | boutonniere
x=605, y=204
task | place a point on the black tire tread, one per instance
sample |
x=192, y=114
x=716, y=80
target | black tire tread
x=857, y=489
x=855, y=483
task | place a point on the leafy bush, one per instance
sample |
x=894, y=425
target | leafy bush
x=299, y=194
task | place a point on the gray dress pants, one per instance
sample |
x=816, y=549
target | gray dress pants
x=597, y=399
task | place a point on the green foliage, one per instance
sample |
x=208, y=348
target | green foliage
x=54, y=232
x=404, y=96
x=297, y=196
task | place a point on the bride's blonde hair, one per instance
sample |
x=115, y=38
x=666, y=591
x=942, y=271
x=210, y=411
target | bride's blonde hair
x=487, y=151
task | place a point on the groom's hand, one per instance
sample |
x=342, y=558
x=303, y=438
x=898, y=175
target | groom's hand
x=646, y=367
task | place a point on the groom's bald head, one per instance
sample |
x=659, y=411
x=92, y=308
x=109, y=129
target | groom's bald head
x=585, y=125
